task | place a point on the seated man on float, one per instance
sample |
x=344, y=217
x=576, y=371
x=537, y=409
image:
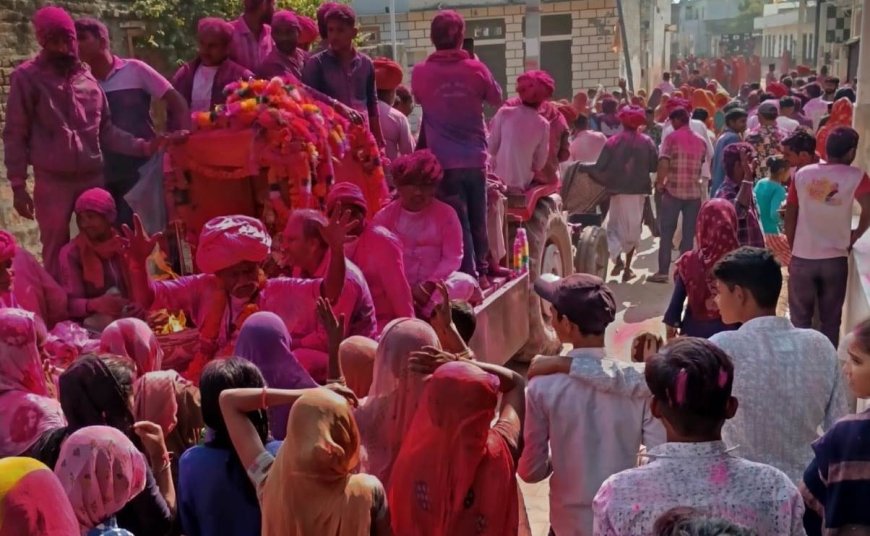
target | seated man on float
x=377, y=252
x=232, y=285
x=92, y=267
x=305, y=250
x=24, y=284
x=202, y=81
x=429, y=231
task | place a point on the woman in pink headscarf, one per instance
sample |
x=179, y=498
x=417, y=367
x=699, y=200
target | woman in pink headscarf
x=25, y=284
x=385, y=416
x=101, y=471
x=93, y=271
x=133, y=339
x=27, y=406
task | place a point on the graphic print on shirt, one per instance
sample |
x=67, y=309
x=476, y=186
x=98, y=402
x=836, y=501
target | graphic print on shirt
x=826, y=191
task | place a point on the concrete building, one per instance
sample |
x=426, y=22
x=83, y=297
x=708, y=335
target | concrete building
x=701, y=23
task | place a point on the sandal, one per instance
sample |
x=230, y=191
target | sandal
x=659, y=278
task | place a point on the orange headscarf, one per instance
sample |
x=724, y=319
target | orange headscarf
x=310, y=488
x=662, y=109
x=702, y=98
x=841, y=116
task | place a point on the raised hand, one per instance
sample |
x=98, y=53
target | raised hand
x=139, y=243
x=336, y=231
x=152, y=442
x=442, y=319
x=427, y=360
x=334, y=325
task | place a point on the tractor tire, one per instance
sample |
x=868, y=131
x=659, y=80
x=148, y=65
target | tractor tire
x=550, y=251
x=592, y=255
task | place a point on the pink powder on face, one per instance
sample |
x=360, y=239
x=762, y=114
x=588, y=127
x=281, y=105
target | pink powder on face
x=682, y=380
x=723, y=377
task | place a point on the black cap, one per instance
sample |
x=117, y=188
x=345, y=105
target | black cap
x=583, y=298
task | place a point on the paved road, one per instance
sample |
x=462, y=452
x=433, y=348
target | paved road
x=640, y=308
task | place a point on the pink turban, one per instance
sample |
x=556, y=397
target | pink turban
x=308, y=31
x=52, y=21
x=677, y=102
x=286, y=18
x=418, y=168
x=228, y=240
x=348, y=194
x=632, y=117
x=534, y=87
x=216, y=25
x=777, y=89
x=8, y=245
x=447, y=30
x=99, y=201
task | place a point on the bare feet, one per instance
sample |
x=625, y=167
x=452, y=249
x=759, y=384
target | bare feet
x=484, y=282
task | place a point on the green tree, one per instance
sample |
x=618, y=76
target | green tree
x=171, y=24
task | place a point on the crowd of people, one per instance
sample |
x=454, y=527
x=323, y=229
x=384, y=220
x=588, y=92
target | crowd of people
x=338, y=394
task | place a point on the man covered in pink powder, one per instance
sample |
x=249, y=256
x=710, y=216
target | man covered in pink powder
x=252, y=35
x=452, y=88
x=519, y=137
x=377, y=252
x=429, y=231
x=24, y=284
x=286, y=58
x=58, y=121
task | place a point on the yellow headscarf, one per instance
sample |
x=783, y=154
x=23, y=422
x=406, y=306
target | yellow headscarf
x=32, y=501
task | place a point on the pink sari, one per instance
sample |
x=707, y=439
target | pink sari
x=27, y=409
x=384, y=417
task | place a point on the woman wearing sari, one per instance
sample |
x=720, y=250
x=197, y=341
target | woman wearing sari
x=458, y=475
x=98, y=391
x=265, y=342
x=32, y=501
x=27, y=408
x=385, y=415
x=100, y=470
x=841, y=116
x=357, y=355
x=133, y=339
x=715, y=237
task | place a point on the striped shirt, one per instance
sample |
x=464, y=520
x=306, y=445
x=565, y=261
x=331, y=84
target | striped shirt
x=686, y=152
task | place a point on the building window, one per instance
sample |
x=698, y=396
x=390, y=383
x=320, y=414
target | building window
x=553, y=25
x=556, y=43
x=485, y=29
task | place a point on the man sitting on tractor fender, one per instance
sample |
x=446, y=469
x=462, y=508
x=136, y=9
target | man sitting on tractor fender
x=429, y=231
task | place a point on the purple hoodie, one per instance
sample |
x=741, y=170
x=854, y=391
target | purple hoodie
x=452, y=88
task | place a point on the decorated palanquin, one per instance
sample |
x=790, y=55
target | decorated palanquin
x=270, y=149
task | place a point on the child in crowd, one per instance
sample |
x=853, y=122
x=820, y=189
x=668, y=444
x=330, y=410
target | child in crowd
x=770, y=194
x=577, y=433
x=835, y=486
x=690, y=381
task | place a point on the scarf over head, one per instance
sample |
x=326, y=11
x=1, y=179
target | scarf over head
x=357, y=355
x=535, y=87
x=265, y=342
x=310, y=488
x=32, y=501
x=133, y=339
x=733, y=155
x=308, y=32
x=715, y=237
x=229, y=240
x=53, y=21
x=173, y=403
x=777, y=89
x=8, y=246
x=388, y=74
x=26, y=407
x=419, y=168
x=455, y=474
x=348, y=195
x=386, y=414
x=100, y=471
x=93, y=254
x=841, y=116
x=285, y=18
x=632, y=117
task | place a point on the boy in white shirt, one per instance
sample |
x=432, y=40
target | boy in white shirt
x=577, y=433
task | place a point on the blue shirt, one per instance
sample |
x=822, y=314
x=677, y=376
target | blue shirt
x=769, y=196
x=215, y=495
x=717, y=173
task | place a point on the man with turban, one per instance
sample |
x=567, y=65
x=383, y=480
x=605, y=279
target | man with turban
x=394, y=124
x=202, y=81
x=286, y=57
x=232, y=285
x=307, y=32
x=58, y=121
x=624, y=168
x=519, y=137
x=251, y=34
x=93, y=271
x=452, y=88
x=131, y=86
x=429, y=231
x=24, y=284
x=378, y=254
x=304, y=250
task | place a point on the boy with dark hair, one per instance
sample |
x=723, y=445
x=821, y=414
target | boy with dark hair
x=344, y=73
x=780, y=418
x=799, y=149
x=580, y=434
x=735, y=126
x=818, y=223
x=691, y=382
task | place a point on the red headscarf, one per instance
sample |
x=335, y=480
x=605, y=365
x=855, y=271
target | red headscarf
x=841, y=116
x=388, y=74
x=451, y=453
x=777, y=89
x=632, y=117
x=715, y=237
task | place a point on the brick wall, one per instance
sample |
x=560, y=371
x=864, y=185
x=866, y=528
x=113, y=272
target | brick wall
x=17, y=44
